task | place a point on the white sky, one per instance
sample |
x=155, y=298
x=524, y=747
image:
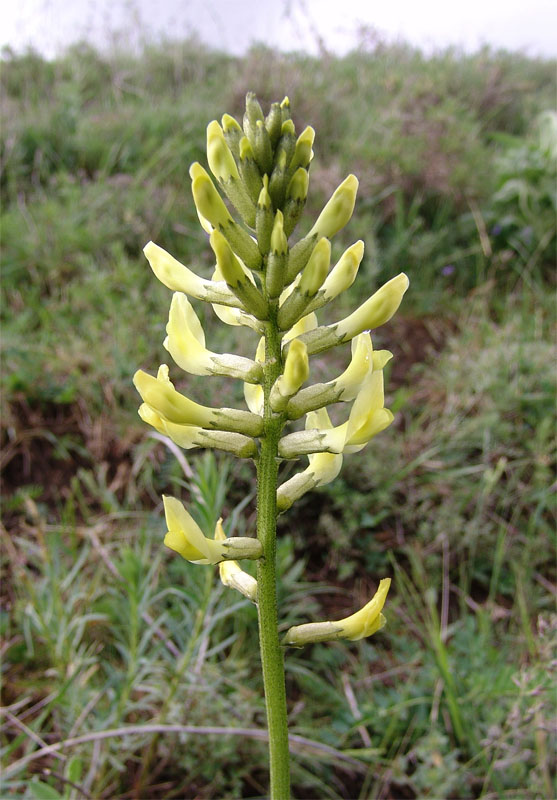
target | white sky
x=50, y=25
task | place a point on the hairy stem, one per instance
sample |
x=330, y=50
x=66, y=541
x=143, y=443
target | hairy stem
x=271, y=651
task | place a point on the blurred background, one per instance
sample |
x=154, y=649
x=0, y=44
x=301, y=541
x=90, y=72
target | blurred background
x=449, y=121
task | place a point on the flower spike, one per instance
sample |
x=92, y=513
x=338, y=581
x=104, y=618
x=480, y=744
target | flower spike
x=273, y=282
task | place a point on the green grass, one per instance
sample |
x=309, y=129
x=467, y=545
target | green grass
x=104, y=629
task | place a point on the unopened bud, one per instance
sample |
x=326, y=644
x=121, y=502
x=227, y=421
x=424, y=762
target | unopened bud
x=209, y=203
x=377, y=310
x=252, y=116
x=263, y=149
x=264, y=219
x=249, y=169
x=317, y=268
x=232, y=133
x=296, y=194
x=237, y=279
x=296, y=372
x=273, y=123
x=303, y=152
x=221, y=160
x=276, y=261
x=338, y=210
x=343, y=274
x=313, y=276
x=223, y=167
x=285, y=109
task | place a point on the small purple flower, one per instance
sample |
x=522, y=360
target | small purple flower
x=496, y=230
x=448, y=269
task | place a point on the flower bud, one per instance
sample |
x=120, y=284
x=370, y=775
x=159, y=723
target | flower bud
x=237, y=279
x=341, y=277
x=377, y=310
x=365, y=622
x=313, y=276
x=296, y=372
x=273, y=123
x=277, y=181
x=317, y=268
x=338, y=210
x=347, y=385
x=232, y=133
x=262, y=149
x=221, y=160
x=303, y=152
x=223, y=167
x=298, y=186
x=264, y=218
x=209, y=203
x=299, y=256
x=249, y=169
x=296, y=194
x=276, y=261
x=285, y=109
x=195, y=171
x=252, y=116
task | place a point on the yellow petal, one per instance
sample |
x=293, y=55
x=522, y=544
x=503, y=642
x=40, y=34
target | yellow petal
x=186, y=340
x=376, y=310
x=185, y=536
x=368, y=619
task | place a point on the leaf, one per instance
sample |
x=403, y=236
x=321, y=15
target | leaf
x=43, y=791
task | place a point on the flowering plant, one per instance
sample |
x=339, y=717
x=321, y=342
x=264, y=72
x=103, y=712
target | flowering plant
x=265, y=282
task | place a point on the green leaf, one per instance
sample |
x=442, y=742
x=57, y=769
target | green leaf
x=43, y=791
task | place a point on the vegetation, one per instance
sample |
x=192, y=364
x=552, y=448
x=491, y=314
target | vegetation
x=130, y=660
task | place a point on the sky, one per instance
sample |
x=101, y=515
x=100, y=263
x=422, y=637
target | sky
x=336, y=25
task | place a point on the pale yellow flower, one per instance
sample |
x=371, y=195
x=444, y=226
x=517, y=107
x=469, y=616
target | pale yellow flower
x=185, y=537
x=179, y=278
x=159, y=393
x=186, y=344
x=365, y=622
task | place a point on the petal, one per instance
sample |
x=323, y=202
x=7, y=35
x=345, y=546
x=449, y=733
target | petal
x=368, y=619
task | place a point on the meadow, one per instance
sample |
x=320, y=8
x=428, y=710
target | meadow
x=121, y=663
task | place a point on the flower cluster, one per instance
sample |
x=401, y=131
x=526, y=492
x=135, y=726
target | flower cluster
x=273, y=286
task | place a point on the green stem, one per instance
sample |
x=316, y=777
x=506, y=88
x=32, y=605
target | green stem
x=271, y=651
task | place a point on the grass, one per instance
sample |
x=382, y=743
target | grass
x=125, y=662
